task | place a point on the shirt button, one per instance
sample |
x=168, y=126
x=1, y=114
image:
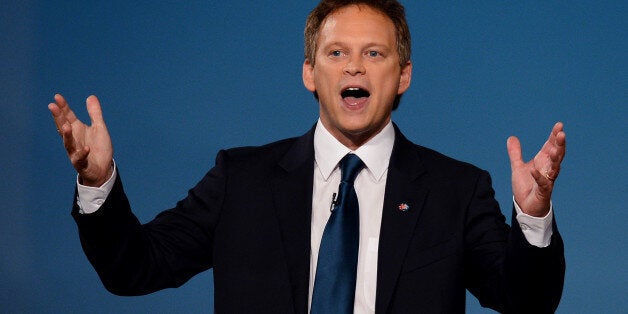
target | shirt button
x=99, y=202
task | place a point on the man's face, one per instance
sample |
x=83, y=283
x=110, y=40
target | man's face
x=356, y=73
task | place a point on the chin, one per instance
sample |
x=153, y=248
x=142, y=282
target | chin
x=359, y=129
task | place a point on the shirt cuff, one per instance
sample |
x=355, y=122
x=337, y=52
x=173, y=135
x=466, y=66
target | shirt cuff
x=537, y=230
x=89, y=199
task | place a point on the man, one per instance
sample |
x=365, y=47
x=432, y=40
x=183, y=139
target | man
x=429, y=226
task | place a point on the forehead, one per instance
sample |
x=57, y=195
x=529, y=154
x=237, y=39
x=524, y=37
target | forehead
x=357, y=23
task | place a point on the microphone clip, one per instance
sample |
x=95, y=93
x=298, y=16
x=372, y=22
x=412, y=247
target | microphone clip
x=334, y=202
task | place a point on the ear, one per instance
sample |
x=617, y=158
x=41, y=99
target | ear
x=308, y=76
x=405, y=78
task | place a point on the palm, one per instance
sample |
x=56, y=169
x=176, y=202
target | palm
x=88, y=147
x=533, y=182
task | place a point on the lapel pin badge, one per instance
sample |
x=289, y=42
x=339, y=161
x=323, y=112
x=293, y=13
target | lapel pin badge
x=404, y=207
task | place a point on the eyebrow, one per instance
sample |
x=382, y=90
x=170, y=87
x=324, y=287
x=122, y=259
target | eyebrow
x=343, y=44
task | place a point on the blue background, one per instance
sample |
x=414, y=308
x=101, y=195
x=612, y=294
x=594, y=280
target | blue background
x=180, y=81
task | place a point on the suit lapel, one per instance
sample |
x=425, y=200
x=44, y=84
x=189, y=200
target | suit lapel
x=292, y=193
x=403, y=187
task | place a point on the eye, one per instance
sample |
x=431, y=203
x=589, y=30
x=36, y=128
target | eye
x=335, y=53
x=374, y=54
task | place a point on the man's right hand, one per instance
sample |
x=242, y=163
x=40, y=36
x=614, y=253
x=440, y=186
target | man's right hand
x=89, y=147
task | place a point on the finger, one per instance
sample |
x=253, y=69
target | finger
x=57, y=109
x=514, y=152
x=556, y=153
x=67, y=113
x=553, y=150
x=94, y=110
x=544, y=185
x=79, y=159
x=68, y=139
x=77, y=155
x=558, y=127
x=552, y=140
x=560, y=143
x=60, y=100
x=57, y=117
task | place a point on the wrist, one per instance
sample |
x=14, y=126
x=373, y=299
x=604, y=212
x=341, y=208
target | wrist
x=97, y=182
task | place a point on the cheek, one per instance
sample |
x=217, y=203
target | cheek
x=389, y=90
x=324, y=87
x=326, y=75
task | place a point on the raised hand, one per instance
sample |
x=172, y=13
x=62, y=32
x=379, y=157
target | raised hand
x=89, y=147
x=533, y=182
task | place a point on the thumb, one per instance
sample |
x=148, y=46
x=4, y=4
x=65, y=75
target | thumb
x=94, y=110
x=514, y=151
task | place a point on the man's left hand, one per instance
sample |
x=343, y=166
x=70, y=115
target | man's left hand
x=533, y=182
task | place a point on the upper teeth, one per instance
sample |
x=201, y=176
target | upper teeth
x=353, y=88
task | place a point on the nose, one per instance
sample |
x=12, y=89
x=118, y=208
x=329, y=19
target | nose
x=355, y=66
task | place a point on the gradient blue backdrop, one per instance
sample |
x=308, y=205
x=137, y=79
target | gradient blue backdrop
x=179, y=81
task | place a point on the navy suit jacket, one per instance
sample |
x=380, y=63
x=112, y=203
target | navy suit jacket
x=249, y=220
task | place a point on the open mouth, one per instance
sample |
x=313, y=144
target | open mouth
x=354, y=93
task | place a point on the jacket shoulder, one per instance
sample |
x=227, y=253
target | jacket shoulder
x=442, y=166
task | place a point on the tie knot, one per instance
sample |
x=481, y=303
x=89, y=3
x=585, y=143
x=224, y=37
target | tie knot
x=350, y=166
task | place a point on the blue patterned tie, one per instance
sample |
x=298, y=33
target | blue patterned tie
x=334, y=286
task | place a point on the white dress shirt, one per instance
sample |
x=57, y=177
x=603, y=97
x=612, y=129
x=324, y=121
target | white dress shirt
x=369, y=186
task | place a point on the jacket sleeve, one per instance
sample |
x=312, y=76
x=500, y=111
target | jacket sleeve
x=135, y=259
x=507, y=273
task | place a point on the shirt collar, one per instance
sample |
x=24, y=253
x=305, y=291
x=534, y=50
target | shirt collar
x=375, y=153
